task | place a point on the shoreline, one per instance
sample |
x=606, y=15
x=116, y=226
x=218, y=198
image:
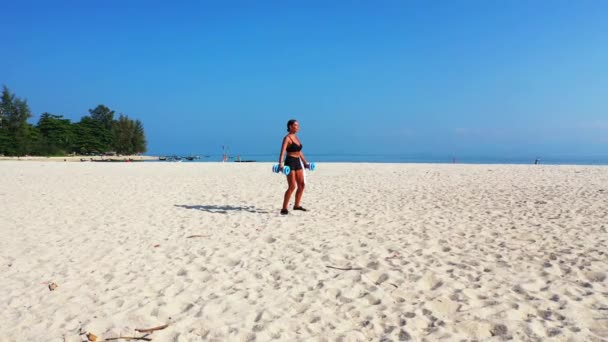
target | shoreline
x=137, y=158
x=73, y=159
x=79, y=158
x=321, y=159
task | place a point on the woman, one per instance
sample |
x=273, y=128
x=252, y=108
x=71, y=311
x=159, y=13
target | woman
x=294, y=159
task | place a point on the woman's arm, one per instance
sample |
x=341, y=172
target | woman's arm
x=303, y=158
x=282, y=155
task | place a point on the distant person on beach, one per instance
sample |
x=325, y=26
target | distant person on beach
x=536, y=161
x=291, y=149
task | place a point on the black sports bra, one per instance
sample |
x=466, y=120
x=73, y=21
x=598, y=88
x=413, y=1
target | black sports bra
x=293, y=147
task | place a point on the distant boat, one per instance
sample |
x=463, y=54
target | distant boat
x=115, y=160
x=174, y=158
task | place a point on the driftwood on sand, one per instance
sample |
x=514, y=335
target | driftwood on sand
x=345, y=269
x=148, y=331
x=160, y=327
x=129, y=338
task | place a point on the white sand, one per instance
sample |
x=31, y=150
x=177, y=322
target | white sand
x=441, y=252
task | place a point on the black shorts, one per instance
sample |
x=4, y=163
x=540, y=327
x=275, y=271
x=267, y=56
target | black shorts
x=293, y=163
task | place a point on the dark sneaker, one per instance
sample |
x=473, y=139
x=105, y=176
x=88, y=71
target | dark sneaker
x=284, y=211
x=299, y=208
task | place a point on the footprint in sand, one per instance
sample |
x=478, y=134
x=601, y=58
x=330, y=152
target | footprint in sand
x=595, y=277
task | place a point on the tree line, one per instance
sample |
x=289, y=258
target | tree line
x=55, y=135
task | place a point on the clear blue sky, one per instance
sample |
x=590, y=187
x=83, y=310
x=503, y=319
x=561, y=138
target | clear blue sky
x=444, y=77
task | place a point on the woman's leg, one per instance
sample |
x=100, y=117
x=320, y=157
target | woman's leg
x=291, y=183
x=299, y=178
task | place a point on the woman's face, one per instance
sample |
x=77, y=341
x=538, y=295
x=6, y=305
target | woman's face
x=295, y=127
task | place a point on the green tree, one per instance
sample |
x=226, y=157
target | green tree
x=139, y=138
x=103, y=115
x=15, y=113
x=6, y=143
x=57, y=133
x=36, y=142
x=123, y=135
x=89, y=136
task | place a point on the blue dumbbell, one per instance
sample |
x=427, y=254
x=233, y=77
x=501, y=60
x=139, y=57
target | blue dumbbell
x=286, y=169
x=312, y=166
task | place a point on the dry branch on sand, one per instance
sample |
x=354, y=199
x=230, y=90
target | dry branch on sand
x=345, y=269
x=161, y=327
x=129, y=338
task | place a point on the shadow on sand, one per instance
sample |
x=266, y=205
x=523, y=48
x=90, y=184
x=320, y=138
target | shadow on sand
x=222, y=209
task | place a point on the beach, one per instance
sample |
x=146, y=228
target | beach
x=395, y=252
